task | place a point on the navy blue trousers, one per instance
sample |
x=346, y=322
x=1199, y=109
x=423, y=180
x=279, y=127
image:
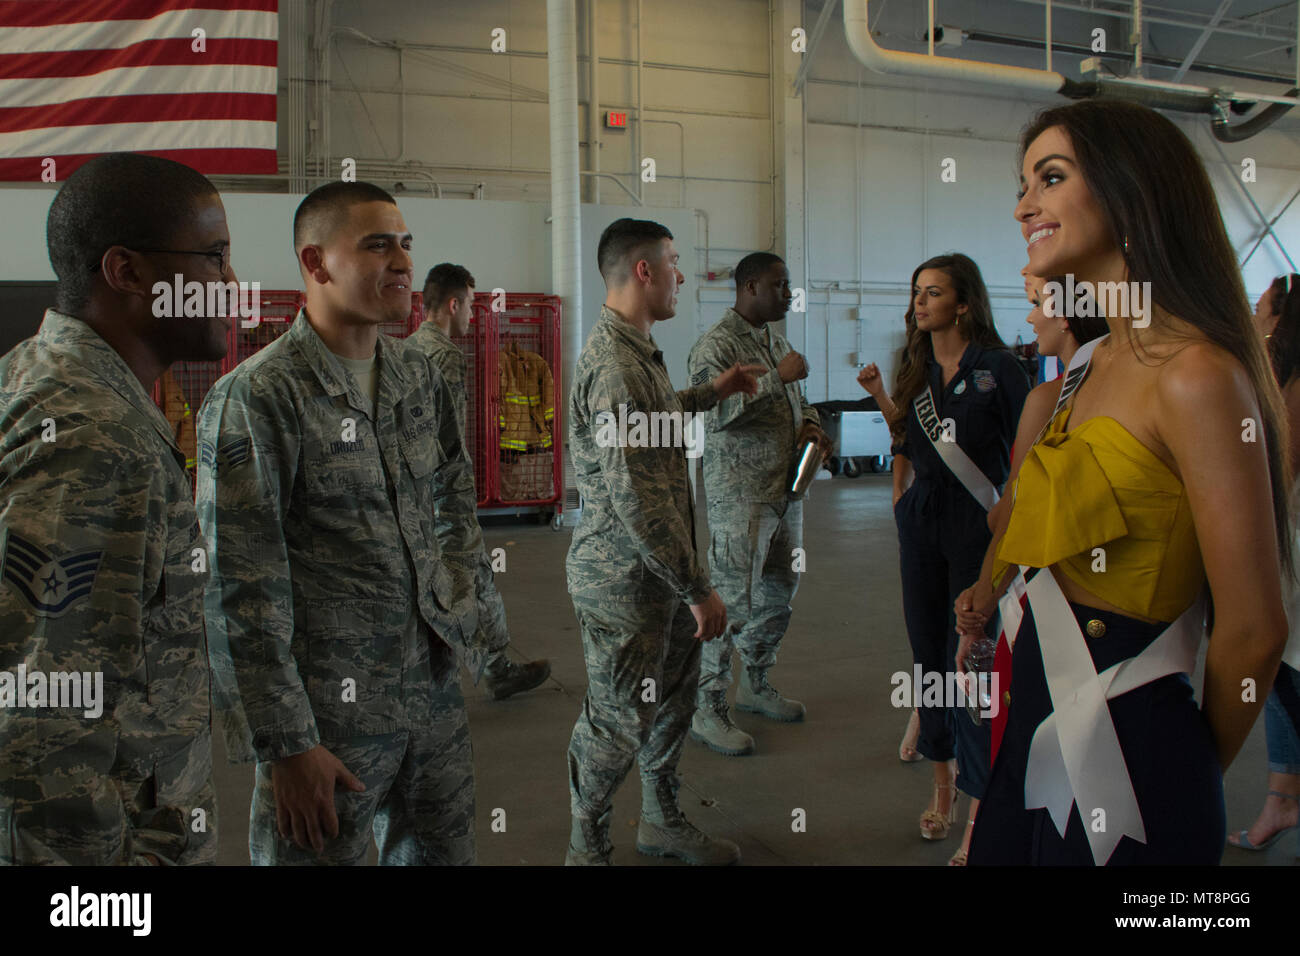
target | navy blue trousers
x=1166, y=744
x=942, y=536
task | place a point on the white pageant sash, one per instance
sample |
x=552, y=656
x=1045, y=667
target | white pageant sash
x=1011, y=609
x=1011, y=606
x=1075, y=756
x=958, y=462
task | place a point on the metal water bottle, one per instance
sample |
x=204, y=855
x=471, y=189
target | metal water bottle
x=807, y=463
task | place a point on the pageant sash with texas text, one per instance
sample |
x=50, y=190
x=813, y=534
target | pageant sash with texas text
x=957, y=461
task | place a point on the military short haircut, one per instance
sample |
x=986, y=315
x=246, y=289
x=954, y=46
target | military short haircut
x=323, y=209
x=118, y=199
x=754, y=266
x=625, y=242
x=445, y=281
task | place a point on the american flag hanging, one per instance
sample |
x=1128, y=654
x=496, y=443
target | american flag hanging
x=190, y=80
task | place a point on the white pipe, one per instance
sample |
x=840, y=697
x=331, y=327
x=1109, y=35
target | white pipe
x=640, y=103
x=873, y=57
x=401, y=104
x=1048, y=32
x=1136, y=38
x=593, y=92
x=566, y=225
x=929, y=30
x=617, y=182
x=803, y=158
x=857, y=216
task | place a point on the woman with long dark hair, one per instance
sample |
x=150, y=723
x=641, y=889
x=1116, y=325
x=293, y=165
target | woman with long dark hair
x=1277, y=316
x=1121, y=506
x=959, y=392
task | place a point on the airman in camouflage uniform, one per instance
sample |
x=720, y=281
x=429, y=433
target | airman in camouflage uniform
x=335, y=602
x=102, y=567
x=749, y=453
x=448, y=300
x=642, y=598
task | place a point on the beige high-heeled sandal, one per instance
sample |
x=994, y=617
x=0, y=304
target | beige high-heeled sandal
x=935, y=825
x=959, y=858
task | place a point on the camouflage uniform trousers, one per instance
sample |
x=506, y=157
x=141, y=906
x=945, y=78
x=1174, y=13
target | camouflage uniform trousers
x=751, y=563
x=419, y=796
x=624, y=644
x=492, y=626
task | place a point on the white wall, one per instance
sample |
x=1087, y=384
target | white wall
x=504, y=244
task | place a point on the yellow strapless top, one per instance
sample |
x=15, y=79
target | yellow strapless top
x=1099, y=487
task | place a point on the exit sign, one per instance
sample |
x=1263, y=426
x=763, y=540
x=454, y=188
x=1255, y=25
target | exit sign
x=615, y=120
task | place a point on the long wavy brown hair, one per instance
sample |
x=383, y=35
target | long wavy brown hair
x=1284, y=343
x=1153, y=191
x=976, y=324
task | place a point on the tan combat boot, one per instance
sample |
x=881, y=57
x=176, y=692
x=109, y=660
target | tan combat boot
x=712, y=727
x=756, y=696
x=665, y=831
x=589, y=842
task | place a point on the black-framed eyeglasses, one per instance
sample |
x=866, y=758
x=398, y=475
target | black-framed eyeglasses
x=222, y=257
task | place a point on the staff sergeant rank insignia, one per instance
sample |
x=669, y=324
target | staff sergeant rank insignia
x=49, y=585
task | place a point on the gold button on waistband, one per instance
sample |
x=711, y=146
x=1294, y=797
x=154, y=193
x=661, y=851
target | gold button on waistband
x=1096, y=628
x=1006, y=697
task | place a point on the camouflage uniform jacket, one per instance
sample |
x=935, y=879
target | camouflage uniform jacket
x=323, y=543
x=749, y=446
x=635, y=542
x=102, y=572
x=446, y=354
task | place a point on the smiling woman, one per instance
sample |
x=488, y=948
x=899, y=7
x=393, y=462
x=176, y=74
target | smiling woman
x=1178, y=402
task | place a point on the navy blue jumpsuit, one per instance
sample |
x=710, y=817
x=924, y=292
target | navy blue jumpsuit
x=943, y=533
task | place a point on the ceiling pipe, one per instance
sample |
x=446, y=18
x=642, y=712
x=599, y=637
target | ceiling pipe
x=876, y=58
x=1226, y=133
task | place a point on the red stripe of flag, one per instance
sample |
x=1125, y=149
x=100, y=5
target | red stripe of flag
x=214, y=162
x=25, y=13
x=148, y=108
x=177, y=51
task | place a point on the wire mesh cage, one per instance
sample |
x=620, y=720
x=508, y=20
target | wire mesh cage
x=473, y=346
x=512, y=384
x=524, y=398
x=277, y=311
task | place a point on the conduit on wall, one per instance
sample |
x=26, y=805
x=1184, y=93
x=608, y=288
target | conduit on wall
x=1153, y=93
x=566, y=223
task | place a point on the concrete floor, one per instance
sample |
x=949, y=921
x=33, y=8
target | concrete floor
x=840, y=766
